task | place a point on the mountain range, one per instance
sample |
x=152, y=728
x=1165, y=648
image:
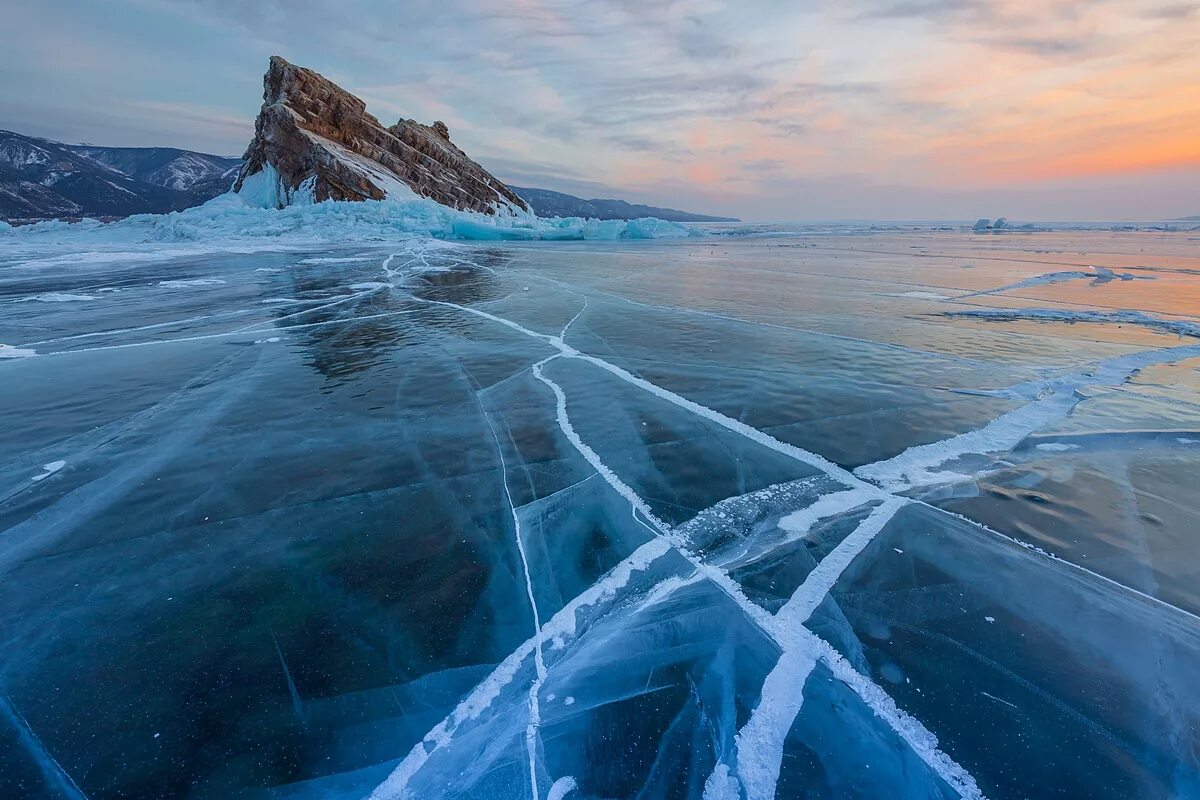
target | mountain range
x=43, y=179
x=547, y=203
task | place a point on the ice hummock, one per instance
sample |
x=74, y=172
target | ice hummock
x=253, y=216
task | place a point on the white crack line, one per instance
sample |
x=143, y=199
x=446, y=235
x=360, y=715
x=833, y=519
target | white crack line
x=535, y=715
x=922, y=741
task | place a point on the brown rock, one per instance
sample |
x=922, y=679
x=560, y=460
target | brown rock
x=310, y=129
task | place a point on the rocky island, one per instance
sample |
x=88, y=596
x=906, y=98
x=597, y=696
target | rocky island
x=315, y=141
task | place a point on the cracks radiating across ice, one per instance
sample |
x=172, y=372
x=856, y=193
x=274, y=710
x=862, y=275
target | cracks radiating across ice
x=800, y=649
x=751, y=769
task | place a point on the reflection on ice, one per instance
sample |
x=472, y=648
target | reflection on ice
x=439, y=520
x=1067, y=669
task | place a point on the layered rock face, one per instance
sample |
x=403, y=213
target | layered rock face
x=315, y=140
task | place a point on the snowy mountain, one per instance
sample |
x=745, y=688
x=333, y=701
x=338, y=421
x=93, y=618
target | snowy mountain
x=43, y=179
x=184, y=170
x=546, y=203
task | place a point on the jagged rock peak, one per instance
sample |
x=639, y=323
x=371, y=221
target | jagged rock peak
x=315, y=141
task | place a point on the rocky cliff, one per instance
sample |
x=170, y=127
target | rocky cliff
x=314, y=140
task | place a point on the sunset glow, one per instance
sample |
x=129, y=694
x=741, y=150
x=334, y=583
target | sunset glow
x=811, y=109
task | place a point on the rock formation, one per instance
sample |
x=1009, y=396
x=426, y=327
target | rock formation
x=315, y=140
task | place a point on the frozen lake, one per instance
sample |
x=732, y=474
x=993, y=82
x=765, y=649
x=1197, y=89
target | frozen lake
x=848, y=513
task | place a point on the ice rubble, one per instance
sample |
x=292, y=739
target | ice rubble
x=251, y=215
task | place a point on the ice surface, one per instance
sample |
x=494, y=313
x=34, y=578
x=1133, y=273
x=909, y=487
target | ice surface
x=309, y=503
x=1183, y=327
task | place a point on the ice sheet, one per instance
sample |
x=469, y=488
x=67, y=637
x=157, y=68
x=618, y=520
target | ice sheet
x=728, y=516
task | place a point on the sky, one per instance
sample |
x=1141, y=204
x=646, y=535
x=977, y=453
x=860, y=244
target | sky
x=769, y=110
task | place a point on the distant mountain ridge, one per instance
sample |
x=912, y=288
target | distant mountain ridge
x=44, y=179
x=547, y=203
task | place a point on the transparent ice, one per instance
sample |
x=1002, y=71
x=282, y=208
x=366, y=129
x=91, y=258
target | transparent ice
x=819, y=514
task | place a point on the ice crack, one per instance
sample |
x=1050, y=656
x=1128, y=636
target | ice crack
x=535, y=715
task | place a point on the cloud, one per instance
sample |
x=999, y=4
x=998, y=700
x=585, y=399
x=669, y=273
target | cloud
x=712, y=100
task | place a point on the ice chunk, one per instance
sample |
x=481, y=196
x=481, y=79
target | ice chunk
x=8, y=351
x=49, y=469
x=264, y=189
